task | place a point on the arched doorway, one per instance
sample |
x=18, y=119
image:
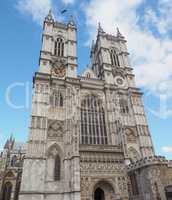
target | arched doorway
x=103, y=190
x=99, y=194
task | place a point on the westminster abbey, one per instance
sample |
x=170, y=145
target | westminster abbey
x=88, y=134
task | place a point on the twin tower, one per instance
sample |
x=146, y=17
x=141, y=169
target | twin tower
x=84, y=130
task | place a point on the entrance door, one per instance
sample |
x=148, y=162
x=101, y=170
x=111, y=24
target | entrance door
x=99, y=194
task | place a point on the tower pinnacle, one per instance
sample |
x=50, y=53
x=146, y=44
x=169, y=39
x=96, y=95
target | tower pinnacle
x=49, y=17
x=72, y=21
x=100, y=29
x=119, y=35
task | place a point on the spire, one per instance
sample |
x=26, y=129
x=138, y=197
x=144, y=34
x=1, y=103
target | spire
x=11, y=137
x=100, y=29
x=92, y=47
x=6, y=144
x=71, y=21
x=119, y=35
x=49, y=17
x=10, y=142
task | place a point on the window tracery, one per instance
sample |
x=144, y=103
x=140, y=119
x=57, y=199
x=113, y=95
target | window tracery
x=93, y=126
x=59, y=47
x=124, y=109
x=38, y=122
x=114, y=58
x=56, y=99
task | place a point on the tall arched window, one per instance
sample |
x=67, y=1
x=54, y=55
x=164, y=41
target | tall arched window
x=59, y=47
x=57, y=167
x=54, y=161
x=114, y=58
x=61, y=100
x=7, y=190
x=56, y=99
x=93, y=125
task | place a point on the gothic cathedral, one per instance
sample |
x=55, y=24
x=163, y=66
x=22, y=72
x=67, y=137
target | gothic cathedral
x=89, y=138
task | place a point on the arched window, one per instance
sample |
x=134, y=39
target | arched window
x=114, y=58
x=56, y=99
x=57, y=167
x=7, y=190
x=93, y=125
x=59, y=47
x=54, y=162
x=124, y=109
x=14, y=161
x=61, y=100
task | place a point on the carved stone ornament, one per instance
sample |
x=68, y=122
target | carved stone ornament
x=118, y=71
x=154, y=174
x=55, y=129
x=119, y=81
x=58, y=68
x=130, y=135
x=92, y=167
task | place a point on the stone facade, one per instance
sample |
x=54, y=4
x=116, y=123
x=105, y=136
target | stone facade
x=89, y=138
x=153, y=178
x=11, y=165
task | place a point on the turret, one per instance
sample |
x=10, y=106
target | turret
x=58, y=53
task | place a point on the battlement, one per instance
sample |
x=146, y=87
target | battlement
x=147, y=161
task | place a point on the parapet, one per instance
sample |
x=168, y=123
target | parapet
x=148, y=161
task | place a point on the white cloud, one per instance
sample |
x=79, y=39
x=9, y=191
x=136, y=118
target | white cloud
x=151, y=56
x=37, y=9
x=167, y=149
x=165, y=20
x=160, y=18
x=68, y=1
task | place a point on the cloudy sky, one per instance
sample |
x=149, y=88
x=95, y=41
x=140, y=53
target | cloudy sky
x=147, y=26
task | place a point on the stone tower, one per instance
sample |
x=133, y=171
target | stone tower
x=110, y=62
x=83, y=130
x=51, y=168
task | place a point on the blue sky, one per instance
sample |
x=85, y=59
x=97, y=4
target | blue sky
x=146, y=24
